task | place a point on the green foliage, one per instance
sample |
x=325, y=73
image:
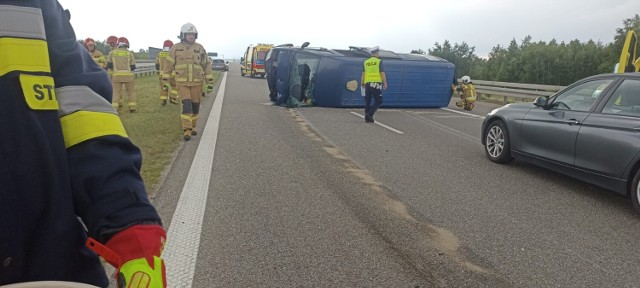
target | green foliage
x=461, y=55
x=419, y=51
x=540, y=62
x=103, y=47
x=141, y=54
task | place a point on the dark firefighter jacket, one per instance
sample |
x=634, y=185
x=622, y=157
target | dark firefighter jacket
x=64, y=154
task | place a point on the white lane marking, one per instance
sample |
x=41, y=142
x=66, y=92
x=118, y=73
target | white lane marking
x=181, y=251
x=380, y=124
x=463, y=113
x=443, y=127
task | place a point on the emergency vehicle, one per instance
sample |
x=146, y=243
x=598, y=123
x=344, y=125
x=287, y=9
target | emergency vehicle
x=252, y=63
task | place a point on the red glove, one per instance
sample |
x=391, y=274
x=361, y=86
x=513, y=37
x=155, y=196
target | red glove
x=135, y=252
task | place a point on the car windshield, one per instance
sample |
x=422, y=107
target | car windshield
x=582, y=96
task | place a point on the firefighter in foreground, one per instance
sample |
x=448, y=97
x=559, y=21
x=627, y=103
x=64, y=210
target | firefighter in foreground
x=191, y=65
x=161, y=63
x=67, y=158
x=97, y=56
x=123, y=63
x=467, y=92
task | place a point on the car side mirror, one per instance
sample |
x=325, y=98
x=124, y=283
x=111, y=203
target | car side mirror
x=541, y=102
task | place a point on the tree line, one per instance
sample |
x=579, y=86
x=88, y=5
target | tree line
x=541, y=62
x=103, y=47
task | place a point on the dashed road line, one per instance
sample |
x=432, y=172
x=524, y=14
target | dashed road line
x=380, y=124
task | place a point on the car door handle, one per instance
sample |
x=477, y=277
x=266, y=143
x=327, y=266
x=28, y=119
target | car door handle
x=572, y=122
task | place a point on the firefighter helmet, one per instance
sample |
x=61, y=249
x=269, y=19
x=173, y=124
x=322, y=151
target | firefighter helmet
x=89, y=41
x=167, y=43
x=112, y=41
x=123, y=42
x=186, y=29
x=465, y=79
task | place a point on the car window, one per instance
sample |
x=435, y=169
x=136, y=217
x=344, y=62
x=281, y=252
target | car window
x=625, y=100
x=581, y=97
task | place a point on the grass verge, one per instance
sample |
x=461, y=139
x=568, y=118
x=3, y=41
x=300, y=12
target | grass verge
x=155, y=129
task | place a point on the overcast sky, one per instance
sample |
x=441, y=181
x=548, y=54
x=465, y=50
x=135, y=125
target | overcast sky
x=229, y=26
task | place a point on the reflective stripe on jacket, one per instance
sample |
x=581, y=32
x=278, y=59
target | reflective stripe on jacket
x=99, y=58
x=190, y=63
x=122, y=60
x=64, y=153
x=372, y=70
x=161, y=60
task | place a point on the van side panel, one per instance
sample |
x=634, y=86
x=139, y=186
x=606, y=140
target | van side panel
x=411, y=83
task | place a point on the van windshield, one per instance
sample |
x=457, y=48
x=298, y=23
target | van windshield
x=262, y=55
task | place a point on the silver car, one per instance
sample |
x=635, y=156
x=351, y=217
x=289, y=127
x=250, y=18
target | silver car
x=590, y=130
x=219, y=65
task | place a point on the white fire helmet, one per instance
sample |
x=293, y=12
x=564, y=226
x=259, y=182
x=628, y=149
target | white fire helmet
x=188, y=28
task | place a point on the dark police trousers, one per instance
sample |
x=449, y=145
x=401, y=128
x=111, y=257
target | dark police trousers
x=372, y=90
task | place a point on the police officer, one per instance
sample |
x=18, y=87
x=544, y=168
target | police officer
x=122, y=61
x=66, y=157
x=373, y=80
x=191, y=65
x=161, y=62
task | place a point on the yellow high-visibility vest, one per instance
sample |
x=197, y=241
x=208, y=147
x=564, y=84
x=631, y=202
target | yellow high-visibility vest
x=372, y=70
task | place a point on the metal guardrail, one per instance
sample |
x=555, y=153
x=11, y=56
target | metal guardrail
x=515, y=90
x=145, y=68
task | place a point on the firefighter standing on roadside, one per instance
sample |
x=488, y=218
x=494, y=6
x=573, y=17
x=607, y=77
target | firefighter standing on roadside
x=122, y=62
x=161, y=63
x=112, y=41
x=191, y=65
x=97, y=56
x=66, y=158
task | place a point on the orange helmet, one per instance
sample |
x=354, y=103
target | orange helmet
x=123, y=41
x=112, y=41
x=167, y=43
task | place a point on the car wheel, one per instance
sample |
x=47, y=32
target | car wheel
x=241, y=72
x=635, y=192
x=496, y=143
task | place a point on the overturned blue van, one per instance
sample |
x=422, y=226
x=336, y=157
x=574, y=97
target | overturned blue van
x=331, y=77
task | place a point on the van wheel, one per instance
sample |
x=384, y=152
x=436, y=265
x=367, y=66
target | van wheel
x=635, y=192
x=496, y=143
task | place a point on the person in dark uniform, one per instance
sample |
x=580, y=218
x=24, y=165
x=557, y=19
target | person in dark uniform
x=66, y=162
x=374, y=81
